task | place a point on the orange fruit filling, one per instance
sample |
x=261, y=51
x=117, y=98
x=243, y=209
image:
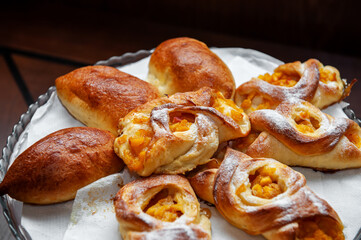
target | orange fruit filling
x=281, y=79
x=139, y=141
x=180, y=122
x=247, y=103
x=318, y=230
x=164, y=207
x=264, y=183
x=306, y=123
x=354, y=138
x=327, y=76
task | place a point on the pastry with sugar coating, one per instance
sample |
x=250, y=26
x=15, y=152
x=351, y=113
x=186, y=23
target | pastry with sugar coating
x=264, y=196
x=297, y=133
x=99, y=95
x=185, y=64
x=174, y=134
x=310, y=81
x=55, y=167
x=160, y=207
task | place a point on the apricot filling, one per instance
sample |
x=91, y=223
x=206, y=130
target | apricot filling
x=280, y=78
x=306, y=123
x=316, y=229
x=254, y=99
x=327, y=76
x=139, y=141
x=165, y=206
x=180, y=122
x=264, y=183
x=354, y=138
x=228, y=108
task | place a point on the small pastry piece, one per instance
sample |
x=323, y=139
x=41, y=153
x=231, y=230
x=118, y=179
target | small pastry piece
x=162, y=206
x=202, y=179
x=299, y=134
x=310, y=81
x=55, y=167
x=98, y=95
x=263, y=196
x=185, y=64
x=175, y=134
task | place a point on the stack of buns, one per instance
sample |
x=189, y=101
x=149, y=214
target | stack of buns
x=189, y=119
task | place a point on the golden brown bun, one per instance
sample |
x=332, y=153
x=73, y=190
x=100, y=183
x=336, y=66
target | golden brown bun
x=299, y=134
x=263, y=196
x=174, y=134
x=98, y=95
x=160, y=207
x=318, y=84
x=185, y=64
x=202, y=179
x=55, y=167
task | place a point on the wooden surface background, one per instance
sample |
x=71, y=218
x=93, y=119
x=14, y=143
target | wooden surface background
x=40, y=41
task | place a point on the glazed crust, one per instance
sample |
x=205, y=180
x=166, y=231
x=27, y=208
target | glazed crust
x=276, y=218
x=215, y=120
x=55, y=167
x=185, y=64
x=134, y=223
x=99, y=95
x=328, y=147
x=309, y=87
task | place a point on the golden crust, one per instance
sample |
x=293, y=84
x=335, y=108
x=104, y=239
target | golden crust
x=321, y=90
x=99, y=95
x=334, y=144
x=134, y=200
x=55, y=167
x=185, y=64
x=280, y=217
x=148, y=145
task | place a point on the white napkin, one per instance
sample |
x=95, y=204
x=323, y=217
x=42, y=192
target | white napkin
x=93, y=218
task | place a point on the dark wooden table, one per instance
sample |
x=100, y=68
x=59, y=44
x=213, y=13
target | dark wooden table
x=35, y=49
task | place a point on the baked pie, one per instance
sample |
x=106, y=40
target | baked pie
x=54, y=168
x=297, y=133
x=174, y=134
x=264, y=196
x=186, y=64
x=309, y=81
x=162, y=206
x=99, y=95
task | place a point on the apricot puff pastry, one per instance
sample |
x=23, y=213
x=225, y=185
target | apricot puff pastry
x=264, y=196
x=175, y=134
x=160, y=207
x=185, y=64
x=55, y=167
x=299, y=134
x=310, y=81
x=99, y=95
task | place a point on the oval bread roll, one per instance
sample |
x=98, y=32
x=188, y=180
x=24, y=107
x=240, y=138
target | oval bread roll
x=185, y=64
x=55, y=167
x=99, y=95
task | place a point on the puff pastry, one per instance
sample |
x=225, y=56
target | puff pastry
x=263, y=196
x=299, y=134
x=99, y=95
x=55, y=167
x=310, y=81
x=162, y=206
x=185, y=64
x=175, y=134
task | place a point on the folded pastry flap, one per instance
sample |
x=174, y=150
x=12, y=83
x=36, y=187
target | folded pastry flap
x=294, y=204
x=279, y=126
x=304, y=89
